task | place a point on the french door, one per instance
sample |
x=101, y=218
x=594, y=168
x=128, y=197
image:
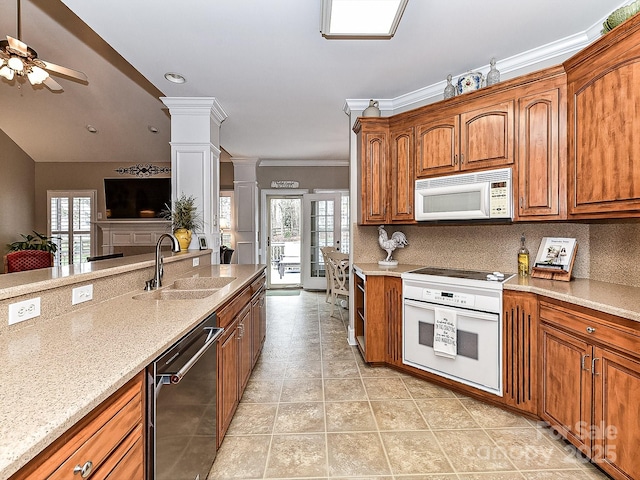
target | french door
x=321, y=228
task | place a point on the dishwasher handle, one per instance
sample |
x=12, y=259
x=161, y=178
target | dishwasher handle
x=174, y=378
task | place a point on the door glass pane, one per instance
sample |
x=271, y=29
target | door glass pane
x=81, y=213
x=284, y=237
x=70, y=226
x=321, y=234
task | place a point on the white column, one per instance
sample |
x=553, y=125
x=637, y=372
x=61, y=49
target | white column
x=195, y=160
x=245, y=198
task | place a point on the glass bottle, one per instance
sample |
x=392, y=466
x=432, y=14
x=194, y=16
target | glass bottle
x=523, y=258
x=493, y=76
x=449, y=90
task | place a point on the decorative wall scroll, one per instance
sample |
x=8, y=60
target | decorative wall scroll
x=284, y=184
x=141, y=170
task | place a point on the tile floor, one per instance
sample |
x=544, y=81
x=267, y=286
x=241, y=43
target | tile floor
x=314, y=410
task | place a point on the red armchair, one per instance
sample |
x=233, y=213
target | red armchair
x=27, y=260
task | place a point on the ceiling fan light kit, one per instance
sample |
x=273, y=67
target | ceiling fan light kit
x=17, y=58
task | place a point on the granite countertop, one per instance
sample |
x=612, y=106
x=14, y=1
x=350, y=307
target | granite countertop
x=55, y=372
x=620, y=300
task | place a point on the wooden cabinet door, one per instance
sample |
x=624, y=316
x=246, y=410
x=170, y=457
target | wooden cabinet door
x=542, y=155
x=393, y=301
x=245, y=336
x=616, y=433
x=437, y=147
x=256, y=328
x=603, y=120
x=566, y=385
x=228, y=385
x=374, y=145
x=402, y=175
x=487, y=136
x=520, y=339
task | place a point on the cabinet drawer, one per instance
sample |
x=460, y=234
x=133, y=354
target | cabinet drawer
x=258, y=283
x=94, y=438
x=227, y=313
x=127, y=461
x=594, y=327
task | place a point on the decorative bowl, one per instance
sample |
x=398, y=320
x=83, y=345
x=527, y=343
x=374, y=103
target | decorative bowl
x=620, y=15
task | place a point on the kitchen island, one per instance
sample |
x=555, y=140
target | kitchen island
x=56, y=369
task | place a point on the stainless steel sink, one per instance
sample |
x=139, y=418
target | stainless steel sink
x=197, y=283
x=174, y=294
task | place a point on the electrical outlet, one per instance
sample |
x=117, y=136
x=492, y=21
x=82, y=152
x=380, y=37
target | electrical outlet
x=21, y=311
x=81, y=294
x=196, y=261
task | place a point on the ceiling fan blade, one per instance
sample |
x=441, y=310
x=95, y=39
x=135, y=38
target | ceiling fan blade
x=68, y=72
x=52, y=85
x=18, y=45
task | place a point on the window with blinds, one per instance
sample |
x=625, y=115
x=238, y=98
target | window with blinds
x=70, y=218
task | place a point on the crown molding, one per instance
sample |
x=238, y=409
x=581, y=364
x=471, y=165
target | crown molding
x=304, y=163
x=196, y=106
x=523, y=61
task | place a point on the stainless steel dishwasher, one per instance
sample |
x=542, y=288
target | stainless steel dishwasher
x=181, y=424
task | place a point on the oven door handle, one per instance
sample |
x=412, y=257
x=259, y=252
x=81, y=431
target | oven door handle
x=174, y=378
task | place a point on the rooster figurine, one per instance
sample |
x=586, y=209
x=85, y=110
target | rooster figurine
x=397, y=240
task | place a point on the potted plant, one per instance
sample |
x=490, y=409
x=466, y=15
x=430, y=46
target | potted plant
x=37, y=241
x=184, y=219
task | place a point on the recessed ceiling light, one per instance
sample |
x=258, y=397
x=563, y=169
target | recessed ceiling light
x=153, y=129
x=376, y=19
x=92, y=129
x=174, y=77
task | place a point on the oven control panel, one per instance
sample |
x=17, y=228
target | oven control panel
x=449, y=298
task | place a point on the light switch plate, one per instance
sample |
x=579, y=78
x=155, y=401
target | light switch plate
x=196, y=261
x=21, y=311
x=81, y=294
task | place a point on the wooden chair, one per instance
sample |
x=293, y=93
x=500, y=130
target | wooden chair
x=339, y=265
x=27, y=260
x=327, y=270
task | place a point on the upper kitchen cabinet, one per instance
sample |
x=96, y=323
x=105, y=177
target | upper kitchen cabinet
x=402, y=174
x=480, y=135
x=540, y=169
x=385, y=172
x=603, y=126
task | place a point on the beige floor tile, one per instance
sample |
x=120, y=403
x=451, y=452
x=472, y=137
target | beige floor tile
x=397, y=415
x=385, y=388
x=446, y=414
x=491, y=476
x=301, y=390
x=529, y=450
x=473, y=451
x=489, y=416
x=363, y=478
x=340, y=369
x=301, y=369
x=267, y=370
x=233, y=461
x=414, y=453
x=253, y=418
x=293, y=456
x=373, y=371
x=557, y=475
x=438, y=476
x=337, y=389
x=349, y=417
x=262, y=391
x=422, y=389
x=305, y=417
x=311, y=353
x=356, y=454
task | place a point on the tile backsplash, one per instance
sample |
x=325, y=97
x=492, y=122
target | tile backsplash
x=608, y=252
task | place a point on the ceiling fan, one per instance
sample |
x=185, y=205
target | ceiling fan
x=17, y=58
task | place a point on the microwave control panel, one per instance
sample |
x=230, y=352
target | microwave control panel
x=499, y=199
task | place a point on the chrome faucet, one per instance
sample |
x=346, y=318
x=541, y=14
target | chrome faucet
x=156, y=281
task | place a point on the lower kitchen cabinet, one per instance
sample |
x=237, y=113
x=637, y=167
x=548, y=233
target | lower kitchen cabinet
x=590, y=384
x=106, y=444
x=520, y=342
x=244, y=321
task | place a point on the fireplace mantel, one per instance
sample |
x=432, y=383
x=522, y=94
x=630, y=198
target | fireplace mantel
x=131, y=233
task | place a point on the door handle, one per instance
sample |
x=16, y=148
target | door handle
x=593, y=366
x=461, y=158
x=582, y=362
x=455, y=159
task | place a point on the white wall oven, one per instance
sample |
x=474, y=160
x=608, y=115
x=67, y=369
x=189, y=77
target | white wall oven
x=452, y=325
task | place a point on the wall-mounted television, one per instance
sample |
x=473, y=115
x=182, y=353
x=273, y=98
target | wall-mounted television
x=136, y=197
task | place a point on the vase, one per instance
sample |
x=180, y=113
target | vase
x=449, y=90
x=372, y=110
x=184, y=238
x=493, y=76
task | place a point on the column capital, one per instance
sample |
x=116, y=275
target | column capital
x=196, y=106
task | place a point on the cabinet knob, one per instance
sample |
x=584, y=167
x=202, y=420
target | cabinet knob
x=590, y=329
x=84, y=470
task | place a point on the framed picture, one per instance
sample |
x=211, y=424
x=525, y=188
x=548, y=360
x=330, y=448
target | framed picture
x=203, y=242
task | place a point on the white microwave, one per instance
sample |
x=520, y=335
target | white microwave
x=468, y=196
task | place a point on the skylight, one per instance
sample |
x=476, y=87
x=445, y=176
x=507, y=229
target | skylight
x=361, y=18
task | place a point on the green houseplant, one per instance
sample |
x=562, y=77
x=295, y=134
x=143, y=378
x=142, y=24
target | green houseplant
x=184, y=217
x=38, y=241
